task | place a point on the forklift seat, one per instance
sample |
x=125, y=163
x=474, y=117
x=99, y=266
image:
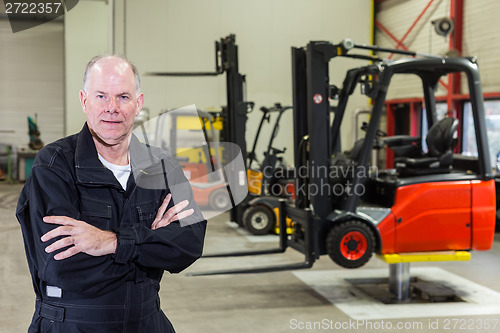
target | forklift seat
x=441, y=139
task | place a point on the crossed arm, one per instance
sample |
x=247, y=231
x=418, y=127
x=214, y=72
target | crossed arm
x=82, y=237
x=50, y=194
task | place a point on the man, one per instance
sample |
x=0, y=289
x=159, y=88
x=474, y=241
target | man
x=98, y=216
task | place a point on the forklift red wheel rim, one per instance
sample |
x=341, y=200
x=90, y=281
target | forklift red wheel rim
x=353, y=245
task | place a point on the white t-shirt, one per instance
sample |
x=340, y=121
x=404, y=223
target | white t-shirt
x=121, y=172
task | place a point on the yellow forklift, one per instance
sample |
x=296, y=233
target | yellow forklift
x=269, y=180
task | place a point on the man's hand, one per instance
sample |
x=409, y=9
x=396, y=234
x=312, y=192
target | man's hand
x=80, y=236
x=83, y=237
x=175, y=213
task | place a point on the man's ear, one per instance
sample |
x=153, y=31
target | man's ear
x=83, y=100
x=140, y=103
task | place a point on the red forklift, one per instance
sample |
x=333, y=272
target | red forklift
x=429, y=200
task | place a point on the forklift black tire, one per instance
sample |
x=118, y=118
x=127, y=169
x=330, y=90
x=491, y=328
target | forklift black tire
x=259, y=220
x=219, y=200
x=350, y=244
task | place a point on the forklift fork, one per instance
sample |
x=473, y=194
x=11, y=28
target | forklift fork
x=304, y=218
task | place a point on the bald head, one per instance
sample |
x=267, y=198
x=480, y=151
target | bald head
x=111, y=100
x=122, y=65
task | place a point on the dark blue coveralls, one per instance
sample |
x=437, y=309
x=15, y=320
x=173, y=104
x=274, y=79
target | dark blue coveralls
x=116, y=292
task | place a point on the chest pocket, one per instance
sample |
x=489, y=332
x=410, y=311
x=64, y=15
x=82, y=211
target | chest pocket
x=96, y=212
x=146, y=212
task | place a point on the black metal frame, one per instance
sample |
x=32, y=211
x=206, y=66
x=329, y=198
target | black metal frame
x=306, y=245
x=265, y=117
x=270, y=155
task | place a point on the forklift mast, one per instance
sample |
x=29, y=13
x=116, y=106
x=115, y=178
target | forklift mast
x=311, y=107
x=300, y=130
x=234, y=114
x=311, y=114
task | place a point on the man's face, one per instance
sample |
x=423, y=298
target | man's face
x=111, y=103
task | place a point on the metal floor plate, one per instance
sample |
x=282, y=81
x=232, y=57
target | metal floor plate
x=334, y=286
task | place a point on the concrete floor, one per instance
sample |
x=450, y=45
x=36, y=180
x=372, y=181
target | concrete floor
x=270, y=302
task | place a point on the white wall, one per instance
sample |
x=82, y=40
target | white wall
x=85, y=35
x=480, y=37
x=176, y=35
x=179, y=36
x=398, y=17
x=31, y=82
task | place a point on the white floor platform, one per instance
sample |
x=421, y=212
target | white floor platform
x=333, y=285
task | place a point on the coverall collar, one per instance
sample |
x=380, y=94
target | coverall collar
x=90, y=170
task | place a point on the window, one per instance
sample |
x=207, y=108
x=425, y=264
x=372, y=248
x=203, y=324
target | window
x=492, y=114
x=441, y=111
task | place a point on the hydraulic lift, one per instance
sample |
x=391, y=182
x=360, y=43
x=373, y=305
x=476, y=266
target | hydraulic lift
x=399, y=267
x=429, y=202
x=234, y=114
